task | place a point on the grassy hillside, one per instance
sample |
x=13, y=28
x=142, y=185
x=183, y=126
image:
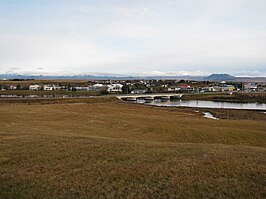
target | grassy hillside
x=110, y=149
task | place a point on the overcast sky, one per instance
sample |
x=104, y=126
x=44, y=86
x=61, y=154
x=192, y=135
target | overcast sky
x=146, y=37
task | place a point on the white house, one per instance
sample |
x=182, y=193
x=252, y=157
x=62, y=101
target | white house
x=34, y=87
x=138, y=91
x=51, y=87
x=114, y=88
x=80, y=88
x=207, y=89
x=12, y=87
x=48, y=88
x=97, y=86
x=173, y=89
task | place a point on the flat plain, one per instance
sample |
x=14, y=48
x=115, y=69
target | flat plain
x=105, y=148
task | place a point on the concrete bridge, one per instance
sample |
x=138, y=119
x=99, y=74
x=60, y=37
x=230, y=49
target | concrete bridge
x=153, y=96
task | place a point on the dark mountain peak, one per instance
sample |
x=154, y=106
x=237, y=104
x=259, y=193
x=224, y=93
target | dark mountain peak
x=219, y=77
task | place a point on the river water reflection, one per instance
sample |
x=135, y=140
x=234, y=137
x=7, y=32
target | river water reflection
x=206, y=104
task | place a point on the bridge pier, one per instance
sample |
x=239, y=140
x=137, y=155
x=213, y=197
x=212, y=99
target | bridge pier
x=165, y=98
x=149, y=99
x=131, y=99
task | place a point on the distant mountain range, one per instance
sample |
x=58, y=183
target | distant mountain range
x=211, y=78
x=230, y=78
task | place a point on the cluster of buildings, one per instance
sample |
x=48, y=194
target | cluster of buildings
x=200, y=87
x=144, y=86
x=110, y=88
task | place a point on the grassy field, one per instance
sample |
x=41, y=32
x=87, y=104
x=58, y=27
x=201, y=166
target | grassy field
x=53, y=93
x=104, y=148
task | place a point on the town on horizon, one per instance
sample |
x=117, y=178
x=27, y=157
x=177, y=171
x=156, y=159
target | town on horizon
x=220, y=83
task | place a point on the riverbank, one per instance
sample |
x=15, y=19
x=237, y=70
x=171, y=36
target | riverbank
x=85, y=100
x=226, y=97
x=93, y=148
x=221, y=113
x=28, y=93
x=228, y=114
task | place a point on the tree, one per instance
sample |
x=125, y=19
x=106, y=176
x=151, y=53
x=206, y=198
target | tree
x=126, y=89
x=18, y=87
x=103, y=91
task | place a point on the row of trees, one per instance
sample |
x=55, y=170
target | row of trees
x=18, y=87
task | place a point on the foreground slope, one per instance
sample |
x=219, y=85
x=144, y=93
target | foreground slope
x=110, y=149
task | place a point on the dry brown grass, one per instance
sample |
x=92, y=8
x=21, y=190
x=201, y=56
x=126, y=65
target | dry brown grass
x=31, y=101
x=111, y=149
x=53, y=93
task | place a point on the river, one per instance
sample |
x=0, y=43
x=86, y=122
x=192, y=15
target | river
x=206, y=104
